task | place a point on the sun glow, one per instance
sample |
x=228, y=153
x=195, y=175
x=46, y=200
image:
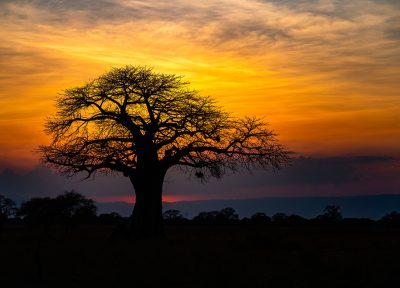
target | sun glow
x=327, y=82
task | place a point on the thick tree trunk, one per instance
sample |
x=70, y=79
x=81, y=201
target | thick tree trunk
x=147, y=219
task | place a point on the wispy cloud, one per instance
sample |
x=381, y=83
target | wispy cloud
x=324, y=72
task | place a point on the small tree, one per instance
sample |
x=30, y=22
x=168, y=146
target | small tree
x=229, y=214
x=331, y=214
x=210, y=217
x=38, y=210
x=392, y=218
x=259, y=218
x=74, y=206
x=65, y=208
x=7, y=207
x=110, y=218
x=172, y=214
x=141, y=123
x=279, y=217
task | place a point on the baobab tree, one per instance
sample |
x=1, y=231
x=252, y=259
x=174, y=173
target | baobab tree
x=141, y=123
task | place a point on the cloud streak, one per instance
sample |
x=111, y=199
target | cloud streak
x=319, y=70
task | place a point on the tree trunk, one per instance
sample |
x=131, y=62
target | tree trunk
x=147, y=221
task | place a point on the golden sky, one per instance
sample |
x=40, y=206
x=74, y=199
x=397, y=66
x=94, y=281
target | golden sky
x=325, y=74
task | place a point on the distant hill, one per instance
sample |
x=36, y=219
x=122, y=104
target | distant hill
x=373, y=207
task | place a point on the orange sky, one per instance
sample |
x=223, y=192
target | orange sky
x=325, y=73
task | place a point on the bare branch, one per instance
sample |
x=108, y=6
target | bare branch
x=132, y=118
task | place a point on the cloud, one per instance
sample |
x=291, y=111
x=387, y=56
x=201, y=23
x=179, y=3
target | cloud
x=259, y=17
x=323, y=72
x=323, y=34
x=335, y=38
x=13, y=62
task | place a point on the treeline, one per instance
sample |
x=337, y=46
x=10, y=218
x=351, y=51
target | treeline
x=68, y=208
x=72, y=208
x=331, y=216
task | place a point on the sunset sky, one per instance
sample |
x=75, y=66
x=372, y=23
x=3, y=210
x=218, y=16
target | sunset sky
x=325, y=74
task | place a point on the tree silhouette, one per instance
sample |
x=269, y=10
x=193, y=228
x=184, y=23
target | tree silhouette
x=38, y=210
x=205, y=217
x=279, y=217
x=392, y=218
x=331, y=214
x=172, y=214
x=110, y=218
x=7, y=209
x=229, y=214
x=141, y=123
x=72, y=206
x=260, y=218
x=65, y=208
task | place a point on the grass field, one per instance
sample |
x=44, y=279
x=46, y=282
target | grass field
x=201, y=256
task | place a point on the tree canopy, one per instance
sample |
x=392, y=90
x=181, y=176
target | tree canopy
x=132, y=115
x=7, y=207
x=141, y=123
x=65, y=207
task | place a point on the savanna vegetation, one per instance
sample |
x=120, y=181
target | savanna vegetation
x=63, y=242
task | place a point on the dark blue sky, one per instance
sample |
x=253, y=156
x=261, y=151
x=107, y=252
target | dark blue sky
x=335, y=176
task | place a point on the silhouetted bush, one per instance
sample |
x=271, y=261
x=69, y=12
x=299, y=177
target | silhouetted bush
x=284, y=219
x=110, y=218
x=332, y=215
x=259, y=218
x=72, y=205
x=173, y=216
x=392, y=219
x=225, y=216
x=206, y=217
x=38, y=210
x=228, y=214
x=357, y=222
x=295, y=220
x=279, y=218
x=7, y=209
x=68, y=208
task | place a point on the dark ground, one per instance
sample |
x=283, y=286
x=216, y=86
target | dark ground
x=202, y=256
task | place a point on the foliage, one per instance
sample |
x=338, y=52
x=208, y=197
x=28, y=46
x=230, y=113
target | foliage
x=392, y=218
x=64, y=208
x=226, y=215
x=110, y=218
x=141, y=123
x=7, y=207
x=331, y=213
x=132, y=114
x=259, y=218
x=279, y=217
x=229, y=214
x=172, y=214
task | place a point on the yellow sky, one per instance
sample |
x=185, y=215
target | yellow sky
x=325, y=73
